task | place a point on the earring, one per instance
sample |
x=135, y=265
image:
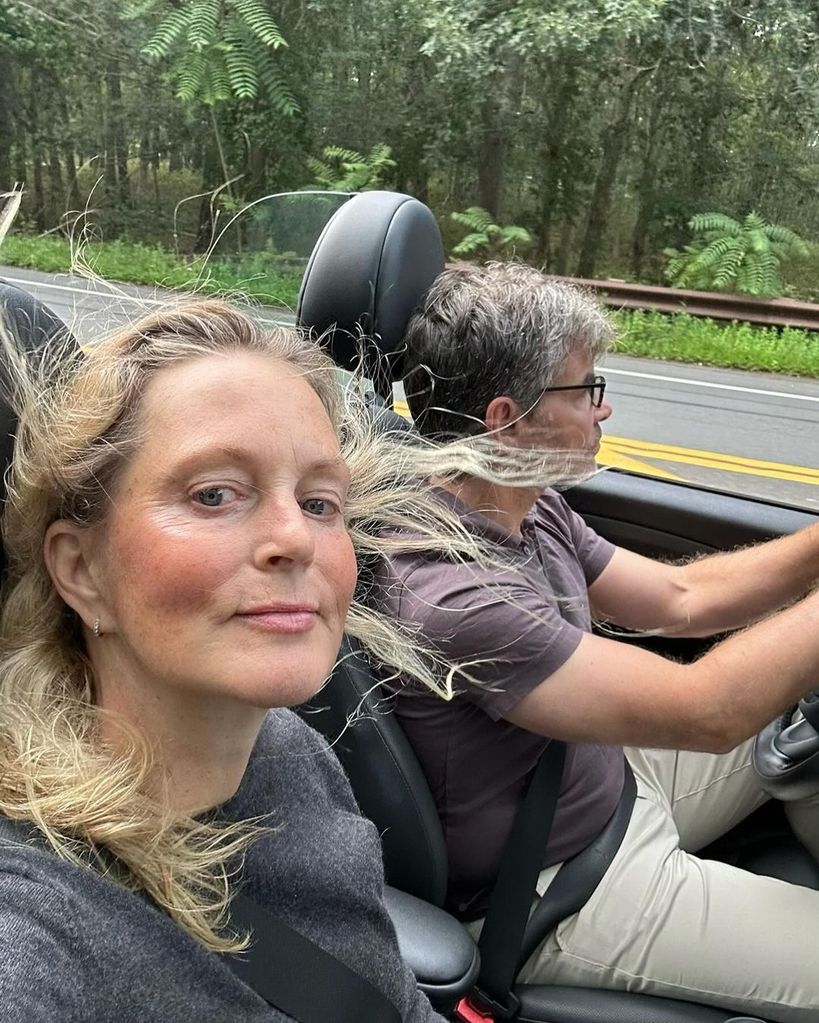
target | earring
x=95, y=628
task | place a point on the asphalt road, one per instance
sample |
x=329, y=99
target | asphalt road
x=749, y=433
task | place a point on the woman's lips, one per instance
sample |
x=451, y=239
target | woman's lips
x=281, y=619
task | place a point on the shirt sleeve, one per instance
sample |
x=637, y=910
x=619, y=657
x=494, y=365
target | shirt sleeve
x=593, y=552
x=501, y=631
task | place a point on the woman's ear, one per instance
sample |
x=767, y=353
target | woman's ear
x=66, y=552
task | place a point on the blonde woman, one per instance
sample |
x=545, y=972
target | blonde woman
x=181, y=522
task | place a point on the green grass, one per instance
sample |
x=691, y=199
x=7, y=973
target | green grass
x=271, y=279
x=736, y=345
x=136, y=263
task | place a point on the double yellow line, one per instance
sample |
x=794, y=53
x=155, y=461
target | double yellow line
x=624, y=453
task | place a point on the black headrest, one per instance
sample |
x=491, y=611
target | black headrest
x=372, y=265
x=31, y=325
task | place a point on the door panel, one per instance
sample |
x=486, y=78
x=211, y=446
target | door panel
x=665, y=519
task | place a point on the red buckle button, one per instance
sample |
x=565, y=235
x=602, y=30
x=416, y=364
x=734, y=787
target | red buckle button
x=467, y=1012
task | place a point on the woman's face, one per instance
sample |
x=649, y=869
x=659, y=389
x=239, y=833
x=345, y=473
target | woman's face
x=225, y=569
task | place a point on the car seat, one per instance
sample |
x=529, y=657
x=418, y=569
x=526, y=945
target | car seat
x=371, y=266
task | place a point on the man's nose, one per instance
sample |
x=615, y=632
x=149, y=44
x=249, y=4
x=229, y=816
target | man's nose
x=602, y=414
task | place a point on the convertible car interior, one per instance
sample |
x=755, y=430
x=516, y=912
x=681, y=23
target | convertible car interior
x=374, y=260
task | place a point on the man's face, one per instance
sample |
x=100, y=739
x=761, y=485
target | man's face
x=568, y=420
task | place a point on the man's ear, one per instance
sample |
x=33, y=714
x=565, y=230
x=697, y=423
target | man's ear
x=66, y=550
x=502, y=417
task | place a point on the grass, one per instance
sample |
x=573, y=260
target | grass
x=137, y=263
x=736, y=345
x=270, y=279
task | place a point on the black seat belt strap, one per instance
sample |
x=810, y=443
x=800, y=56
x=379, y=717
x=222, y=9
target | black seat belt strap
x=290, y=972
x=514, y=892
x=297, y=976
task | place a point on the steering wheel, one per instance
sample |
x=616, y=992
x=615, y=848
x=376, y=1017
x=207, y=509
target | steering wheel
x=786, y=752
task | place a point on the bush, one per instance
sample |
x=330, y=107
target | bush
x=273, y=280
x=735, y=345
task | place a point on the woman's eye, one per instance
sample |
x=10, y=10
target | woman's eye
x=319, y=506
x=214, y=497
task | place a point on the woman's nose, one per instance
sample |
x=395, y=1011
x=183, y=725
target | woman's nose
x=286, y=535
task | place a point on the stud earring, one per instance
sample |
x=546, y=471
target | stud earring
x=95, y=628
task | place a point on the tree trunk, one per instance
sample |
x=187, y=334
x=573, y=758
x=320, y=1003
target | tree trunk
x=555, y=136
x=116, y=148
x=57, y=188
x=38, y=192
x=564, y=248
x=7, y=133
x=491, y=157
x=614, y=138
x=211, y=179
x=647, y=184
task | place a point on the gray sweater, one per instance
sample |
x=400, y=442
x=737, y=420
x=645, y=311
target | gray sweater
x=75, y=946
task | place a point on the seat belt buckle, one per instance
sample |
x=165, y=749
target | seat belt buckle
x=478, y=1007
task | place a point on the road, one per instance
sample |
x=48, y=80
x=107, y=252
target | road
x=749, y=433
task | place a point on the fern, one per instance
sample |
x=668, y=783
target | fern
x=233, y=38
x=241, y=68
x=486, y=238
x=475, y=218
x=169, y=31
x=190, y=75
x=346, y=170
x=730, y=255
x=256, y=16
x=219, y=82
x=202, y=23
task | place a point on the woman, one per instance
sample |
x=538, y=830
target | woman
x=181, y=527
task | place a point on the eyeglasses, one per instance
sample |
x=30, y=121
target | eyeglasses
x=596, y=389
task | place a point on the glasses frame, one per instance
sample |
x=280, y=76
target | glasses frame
x=594, y=384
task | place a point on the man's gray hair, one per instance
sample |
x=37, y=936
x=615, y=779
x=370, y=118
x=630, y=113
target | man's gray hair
x=486, y=331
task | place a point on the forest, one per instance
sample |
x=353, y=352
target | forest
x=590, y=132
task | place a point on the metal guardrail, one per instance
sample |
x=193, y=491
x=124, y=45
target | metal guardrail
x=770, y=312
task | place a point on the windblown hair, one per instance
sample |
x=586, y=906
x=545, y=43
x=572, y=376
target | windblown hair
x=486, y=331
x=79, y=423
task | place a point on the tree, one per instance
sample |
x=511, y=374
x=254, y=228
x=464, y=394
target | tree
x=734, y=256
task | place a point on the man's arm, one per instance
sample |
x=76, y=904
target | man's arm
x=712, y=594
x=616, y=693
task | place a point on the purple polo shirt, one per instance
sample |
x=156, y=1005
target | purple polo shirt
x=510, y=629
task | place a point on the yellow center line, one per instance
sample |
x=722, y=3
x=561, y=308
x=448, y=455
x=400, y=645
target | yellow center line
x=714, y=460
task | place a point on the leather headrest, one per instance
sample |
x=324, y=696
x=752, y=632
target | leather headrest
x=370, y=268
x=31, y=325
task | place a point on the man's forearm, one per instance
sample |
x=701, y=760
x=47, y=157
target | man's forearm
x=727, y=591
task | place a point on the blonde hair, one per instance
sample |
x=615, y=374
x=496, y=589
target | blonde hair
x=78, y=425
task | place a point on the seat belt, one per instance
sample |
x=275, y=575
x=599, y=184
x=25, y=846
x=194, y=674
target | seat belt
x=514, y=891
x=290, y=972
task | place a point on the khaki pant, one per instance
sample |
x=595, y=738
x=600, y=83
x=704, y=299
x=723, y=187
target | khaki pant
x=664, y=922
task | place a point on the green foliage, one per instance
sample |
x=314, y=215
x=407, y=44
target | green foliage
x=487, y=239
x=218, y=50
x=734, y=256
x=736, y=345
x=274, y=281
x=345, y=170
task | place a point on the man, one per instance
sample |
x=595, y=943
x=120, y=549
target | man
x=503, y=352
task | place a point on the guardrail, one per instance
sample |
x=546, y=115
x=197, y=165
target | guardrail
x=770, y=312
